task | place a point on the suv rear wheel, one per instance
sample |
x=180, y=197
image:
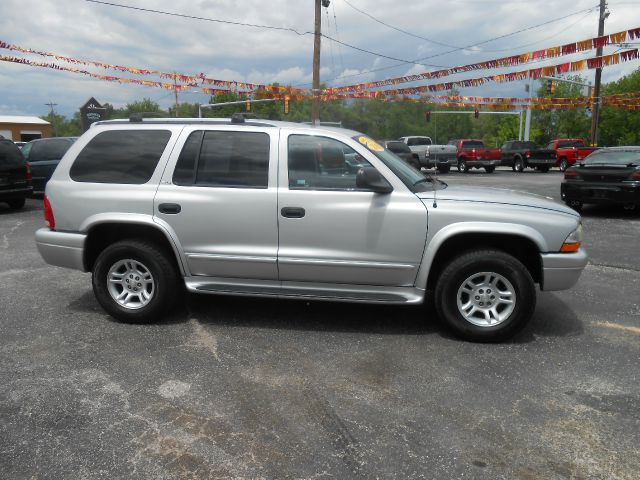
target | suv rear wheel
x=485, y=295
x=135, y=281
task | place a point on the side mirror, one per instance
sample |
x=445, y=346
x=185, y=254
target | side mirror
x=369, y=178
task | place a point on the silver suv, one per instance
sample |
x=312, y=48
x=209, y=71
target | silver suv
x=278, y=209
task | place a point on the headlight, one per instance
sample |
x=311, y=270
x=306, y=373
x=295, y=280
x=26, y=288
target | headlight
x=573, y=242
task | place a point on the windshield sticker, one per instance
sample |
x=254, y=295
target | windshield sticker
x=371, y=144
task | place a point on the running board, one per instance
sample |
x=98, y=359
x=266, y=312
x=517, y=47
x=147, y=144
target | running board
x=315, y=291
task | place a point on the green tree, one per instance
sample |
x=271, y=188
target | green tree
x=619, y=126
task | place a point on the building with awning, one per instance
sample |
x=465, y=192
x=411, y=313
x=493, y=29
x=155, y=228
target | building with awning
x=23, y=129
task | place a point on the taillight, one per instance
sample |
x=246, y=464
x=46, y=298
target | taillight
x=571, y=174
x=29, y=177
x=528, y=154
x=48, y=214
x=635, y=175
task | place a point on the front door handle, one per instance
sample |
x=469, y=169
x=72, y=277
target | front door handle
x=169, y=208
x=292, y=212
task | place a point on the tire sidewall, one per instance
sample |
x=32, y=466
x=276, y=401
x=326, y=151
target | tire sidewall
x=163, y=276
x=465, y=266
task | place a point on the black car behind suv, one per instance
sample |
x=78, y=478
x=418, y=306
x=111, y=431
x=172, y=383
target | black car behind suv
x=15, y=175
x=44, y=155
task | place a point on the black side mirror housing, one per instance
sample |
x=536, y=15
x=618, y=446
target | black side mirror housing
x=368, y=178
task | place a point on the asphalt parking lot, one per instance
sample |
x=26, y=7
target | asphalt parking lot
x=231, y=387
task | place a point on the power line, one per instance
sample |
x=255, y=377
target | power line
x=399, y=29
x=205, y=19
x=270, y=27
x=419, y=60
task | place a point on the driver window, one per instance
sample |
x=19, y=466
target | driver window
x=320, y=163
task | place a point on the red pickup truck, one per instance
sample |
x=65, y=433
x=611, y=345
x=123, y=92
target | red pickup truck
x=473, y=154
x=569, y=151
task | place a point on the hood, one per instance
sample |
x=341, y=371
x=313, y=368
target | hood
x=500, y=196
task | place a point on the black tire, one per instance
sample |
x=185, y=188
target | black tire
x=165, y=287
x=475, y=263
x=563, y=164
x=462, y=165
x=543, y=168
x=16, y=203
x=518, y=165
x=444, y=168
x=490, y=169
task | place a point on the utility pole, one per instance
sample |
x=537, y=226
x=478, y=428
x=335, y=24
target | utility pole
x=315, y=105
x=175, y=91
x=595, y=117
x=53, y=117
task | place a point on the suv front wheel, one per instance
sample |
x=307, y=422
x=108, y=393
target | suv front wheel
x=485, y=295
x=135, y=281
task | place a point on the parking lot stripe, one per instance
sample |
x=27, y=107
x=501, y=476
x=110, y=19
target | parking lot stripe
x=617, y=326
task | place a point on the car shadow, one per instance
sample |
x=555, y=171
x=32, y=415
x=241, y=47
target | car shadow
x=30, y=206
x=552, y=317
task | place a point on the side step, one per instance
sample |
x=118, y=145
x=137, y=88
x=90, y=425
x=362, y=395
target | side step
x=303, y=290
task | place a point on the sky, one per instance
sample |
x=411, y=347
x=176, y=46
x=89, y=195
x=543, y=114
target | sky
x=226, y=51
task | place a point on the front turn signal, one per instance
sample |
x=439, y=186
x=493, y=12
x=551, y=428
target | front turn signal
x=573, y=242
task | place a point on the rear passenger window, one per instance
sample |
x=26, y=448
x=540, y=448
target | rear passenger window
x=120, y=156
x=224, y=159
x=50, y=149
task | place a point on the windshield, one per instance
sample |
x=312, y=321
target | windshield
x=473, y=144
x=571, y=143
x=528, y=145
x=412, y=178
x=613, y=157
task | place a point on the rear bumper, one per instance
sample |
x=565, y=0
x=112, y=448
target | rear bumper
x=15, y=193
x=483, y=163
x=61, y=249
x=603, y=193
x=561, y=271
x=541, y=161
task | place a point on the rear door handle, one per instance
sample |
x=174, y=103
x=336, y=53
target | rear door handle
x=292, y=212
x=169, y=208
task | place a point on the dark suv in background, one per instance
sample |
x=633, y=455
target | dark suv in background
x=44, y=155
x=15, y=176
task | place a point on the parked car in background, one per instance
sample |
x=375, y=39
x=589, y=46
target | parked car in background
x=402, y=150
x=474, y=154
x=569, y=151
x=520, y=155
x=266, y=208
x=442, y=157
x=15, y=176
x=44, y=155
x=608, y=176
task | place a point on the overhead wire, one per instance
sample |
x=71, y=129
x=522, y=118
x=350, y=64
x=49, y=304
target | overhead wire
x=420, y=60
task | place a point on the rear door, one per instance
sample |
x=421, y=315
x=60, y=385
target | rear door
x=218, y=194
x=333, y=232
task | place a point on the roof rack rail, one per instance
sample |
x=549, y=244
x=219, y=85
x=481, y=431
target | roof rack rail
x=137, y=117
x=241, y=117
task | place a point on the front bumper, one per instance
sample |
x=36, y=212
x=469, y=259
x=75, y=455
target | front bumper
x=561, y=271
x=602, y=193
x=61, y=249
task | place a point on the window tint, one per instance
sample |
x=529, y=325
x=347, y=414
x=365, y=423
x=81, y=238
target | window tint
x=320, y=163
x=184, y=174
x=53, y=149
x=472, y=144
x=10, y=155
x=120, y=156
x=422, y=141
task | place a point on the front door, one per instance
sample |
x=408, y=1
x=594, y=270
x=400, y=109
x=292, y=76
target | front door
x=333, y=232
x=220, y=199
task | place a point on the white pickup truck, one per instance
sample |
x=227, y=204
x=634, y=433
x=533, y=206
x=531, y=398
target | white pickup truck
x=440, y=156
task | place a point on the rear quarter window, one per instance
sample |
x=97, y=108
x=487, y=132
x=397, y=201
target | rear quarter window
x=120, y=156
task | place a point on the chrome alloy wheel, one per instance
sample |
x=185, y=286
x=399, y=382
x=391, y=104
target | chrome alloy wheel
x=130, y=284
x=486, y=299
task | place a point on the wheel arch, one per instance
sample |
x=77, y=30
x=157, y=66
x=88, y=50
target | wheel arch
x=522, y=242
x=105, y=231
